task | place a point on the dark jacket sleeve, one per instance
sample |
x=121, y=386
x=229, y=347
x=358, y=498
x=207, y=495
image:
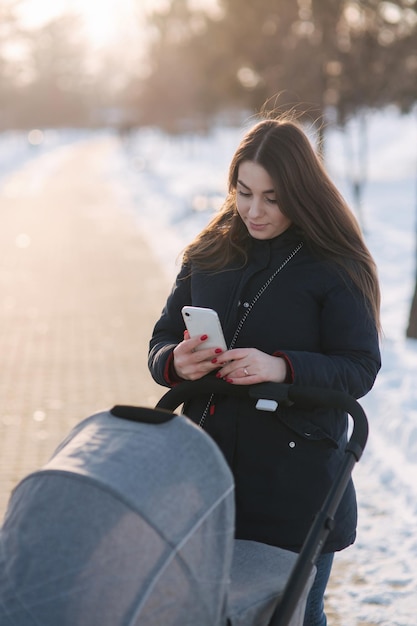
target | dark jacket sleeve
x=349, y=359
x=169, y=331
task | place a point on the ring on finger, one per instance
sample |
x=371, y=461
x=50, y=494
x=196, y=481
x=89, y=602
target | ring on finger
x=245, y=371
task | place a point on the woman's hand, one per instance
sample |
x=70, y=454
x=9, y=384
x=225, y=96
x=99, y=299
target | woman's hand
x=247, y=366
x=192, y=364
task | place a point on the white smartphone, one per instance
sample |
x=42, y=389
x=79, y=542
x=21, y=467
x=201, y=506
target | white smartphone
x=200, y=321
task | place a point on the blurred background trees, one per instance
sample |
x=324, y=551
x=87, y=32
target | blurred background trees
x=51, y=75
x=331, y=58
x=53, y=89
x=205, y=60
x=195, y=63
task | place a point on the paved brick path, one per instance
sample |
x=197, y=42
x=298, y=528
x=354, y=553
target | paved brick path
x=79, y=293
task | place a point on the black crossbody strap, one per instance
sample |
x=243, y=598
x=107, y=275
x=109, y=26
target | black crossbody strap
x=260, y=292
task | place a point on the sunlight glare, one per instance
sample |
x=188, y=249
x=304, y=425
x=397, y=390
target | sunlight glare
x=104, y=21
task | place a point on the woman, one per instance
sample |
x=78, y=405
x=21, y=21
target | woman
x=285, y=266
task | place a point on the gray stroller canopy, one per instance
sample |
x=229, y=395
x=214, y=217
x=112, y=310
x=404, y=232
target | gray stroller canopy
x=131, y=523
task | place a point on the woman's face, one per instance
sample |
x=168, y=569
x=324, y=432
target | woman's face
x=256, y=203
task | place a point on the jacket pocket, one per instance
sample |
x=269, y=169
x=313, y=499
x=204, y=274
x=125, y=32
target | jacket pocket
x=307, y=429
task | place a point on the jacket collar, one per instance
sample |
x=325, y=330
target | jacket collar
x=262, y=249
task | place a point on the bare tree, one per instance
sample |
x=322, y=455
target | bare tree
x=411, y=331
x=9, y=31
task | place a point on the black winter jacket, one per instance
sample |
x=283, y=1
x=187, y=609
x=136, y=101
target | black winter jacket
x=283, y=462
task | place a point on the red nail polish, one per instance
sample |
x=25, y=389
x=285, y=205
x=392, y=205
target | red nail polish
x=229, y=380
x=203, y=337
x=218, y=375
x=218, y=351
x=214, y=360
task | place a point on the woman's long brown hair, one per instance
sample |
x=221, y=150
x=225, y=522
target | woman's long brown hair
x=305, y=194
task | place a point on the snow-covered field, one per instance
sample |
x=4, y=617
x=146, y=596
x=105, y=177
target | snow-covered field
x=174, y=185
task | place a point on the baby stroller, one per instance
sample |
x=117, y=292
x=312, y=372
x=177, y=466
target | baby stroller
x=131, y=523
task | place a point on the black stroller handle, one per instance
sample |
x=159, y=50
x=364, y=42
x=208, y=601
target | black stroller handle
x=309, y=398
x=304, y=397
